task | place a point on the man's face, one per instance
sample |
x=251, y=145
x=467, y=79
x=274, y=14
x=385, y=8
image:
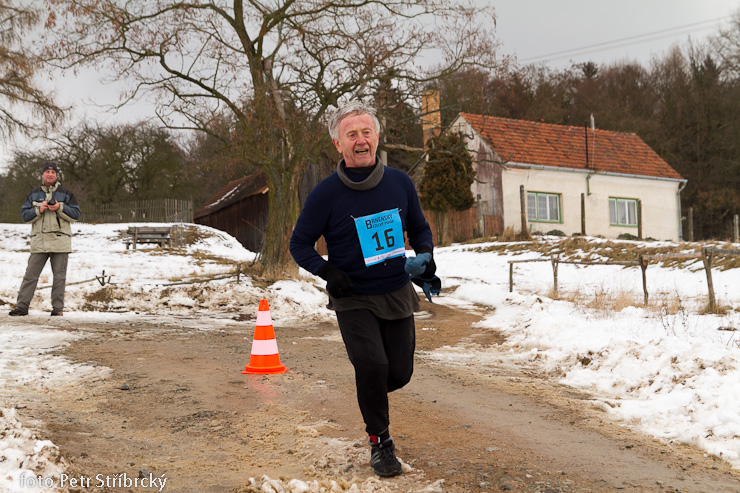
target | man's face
x=49, y=177
x=358, y=140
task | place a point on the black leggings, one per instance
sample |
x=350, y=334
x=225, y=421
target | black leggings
x=382, y=352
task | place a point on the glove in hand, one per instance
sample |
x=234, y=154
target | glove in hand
x=421, y=266
x=338, y=282
x=430, y=287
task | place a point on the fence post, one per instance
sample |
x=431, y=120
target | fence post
x=691, y=224
x=583, y=214
x=707, y=258
x=643, y=267
x=523, y=208
x=511, y=277
x=554, y=260
x=736, y=236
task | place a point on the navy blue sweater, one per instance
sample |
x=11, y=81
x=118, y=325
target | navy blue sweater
x=329, y=211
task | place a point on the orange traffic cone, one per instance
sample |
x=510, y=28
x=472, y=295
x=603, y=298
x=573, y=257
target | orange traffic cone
x=264, y=357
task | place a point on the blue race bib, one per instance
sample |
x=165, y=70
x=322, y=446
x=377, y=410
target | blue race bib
x=381, y=236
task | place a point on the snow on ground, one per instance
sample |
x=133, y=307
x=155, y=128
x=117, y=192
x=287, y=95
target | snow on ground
x=25, y=363
x=665, y=369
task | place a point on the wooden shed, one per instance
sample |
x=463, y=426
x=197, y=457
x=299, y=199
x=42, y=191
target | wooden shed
x=240, y=208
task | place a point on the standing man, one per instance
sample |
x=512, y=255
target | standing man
x=363, y=210
x=50, y=209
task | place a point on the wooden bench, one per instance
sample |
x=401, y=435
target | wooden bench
x=149, y=234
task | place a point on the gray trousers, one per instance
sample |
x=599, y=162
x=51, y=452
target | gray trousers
x=36, y=263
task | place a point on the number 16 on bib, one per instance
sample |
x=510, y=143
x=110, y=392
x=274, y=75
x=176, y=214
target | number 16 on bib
x=381, y=236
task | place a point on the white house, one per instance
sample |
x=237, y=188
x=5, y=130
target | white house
x=575, y=180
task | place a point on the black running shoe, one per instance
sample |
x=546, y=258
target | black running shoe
x=383, y=459
x=57, y=312
x=18, y=312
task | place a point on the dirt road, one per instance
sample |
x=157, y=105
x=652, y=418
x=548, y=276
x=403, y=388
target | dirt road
x=177, y=406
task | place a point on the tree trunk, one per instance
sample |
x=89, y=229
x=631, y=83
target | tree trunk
x=283, y=168
x=443, y=222
x=282, y=215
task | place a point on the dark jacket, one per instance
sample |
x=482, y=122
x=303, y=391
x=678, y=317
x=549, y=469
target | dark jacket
x=330, y=210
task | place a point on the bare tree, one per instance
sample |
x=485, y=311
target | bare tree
x=277, y=65
x=23, y=106
x=726, y=45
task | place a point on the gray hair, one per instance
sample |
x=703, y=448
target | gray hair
x=351, y=107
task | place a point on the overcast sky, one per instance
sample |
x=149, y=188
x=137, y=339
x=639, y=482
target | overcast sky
x=560, y=32
x=555, y=32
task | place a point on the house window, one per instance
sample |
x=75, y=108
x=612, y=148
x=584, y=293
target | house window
x=543, y=207
x=622, y=212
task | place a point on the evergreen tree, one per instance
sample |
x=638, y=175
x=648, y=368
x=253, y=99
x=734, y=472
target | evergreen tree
x=445, y=184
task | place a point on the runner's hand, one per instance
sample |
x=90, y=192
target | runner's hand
x=338, y=282
x=421, y=266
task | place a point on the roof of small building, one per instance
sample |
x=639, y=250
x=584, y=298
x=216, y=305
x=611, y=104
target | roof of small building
x=233, y=192
x=561, y=146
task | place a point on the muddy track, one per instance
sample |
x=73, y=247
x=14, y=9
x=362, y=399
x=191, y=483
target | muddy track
x=176, y=405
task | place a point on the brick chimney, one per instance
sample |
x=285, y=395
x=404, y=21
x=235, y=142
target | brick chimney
x=431, y=119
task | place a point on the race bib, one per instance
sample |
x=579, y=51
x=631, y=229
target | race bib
x=381, y=236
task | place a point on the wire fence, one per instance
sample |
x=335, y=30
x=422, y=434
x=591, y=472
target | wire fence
x=160, y=211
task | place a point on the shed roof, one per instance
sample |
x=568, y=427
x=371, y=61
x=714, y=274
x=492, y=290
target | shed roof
x=561, y=146
x=233, y=192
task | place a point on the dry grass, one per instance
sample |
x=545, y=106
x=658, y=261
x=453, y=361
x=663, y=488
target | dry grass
x=725, y=262
x=603, y=300
x=104, y=297
x=510, y=235
x=717, y=310
x=185, y=235
x=590, y=249
x=623, y=299
x=265, y=275
x=671, y=305
x=106, y=294
x=606, y=300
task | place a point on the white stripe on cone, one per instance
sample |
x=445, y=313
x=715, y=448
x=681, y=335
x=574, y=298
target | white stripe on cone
x=264, y=318
x=261, y=347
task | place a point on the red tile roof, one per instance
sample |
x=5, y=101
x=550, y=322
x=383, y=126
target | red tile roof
x=560, y=146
